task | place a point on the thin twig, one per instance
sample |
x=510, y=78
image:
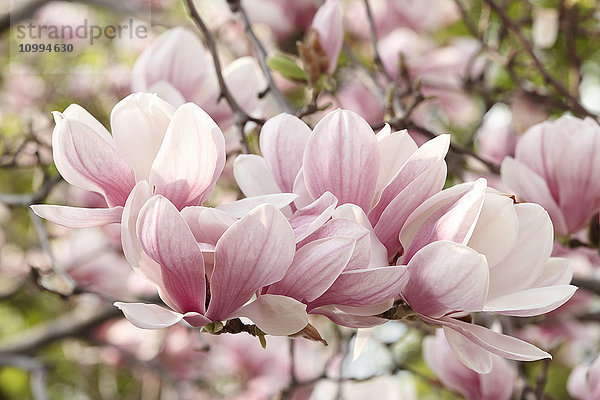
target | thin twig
x=526, y=45
x=236, y=6
x=373, y=36
x=30, y=198
x=239, y=115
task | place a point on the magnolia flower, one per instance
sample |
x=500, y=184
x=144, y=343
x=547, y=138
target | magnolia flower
x=178, y=68
x=336, y=270
x=469, y=249
x=253, y=252
x=557, y=165
x=498, y=384
x=584, y=381
x=328, y=23
x=180, y=152
x=386, y=175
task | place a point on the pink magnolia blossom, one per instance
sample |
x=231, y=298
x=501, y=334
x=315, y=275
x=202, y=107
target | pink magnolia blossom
x=557, y=165
x=386, y=175
x=498, y=384
x=253, y=252
x=181, y=152
x=468, y=249
x=328, y=23
x=584, y=381
x=353, y=282
x=179, y=69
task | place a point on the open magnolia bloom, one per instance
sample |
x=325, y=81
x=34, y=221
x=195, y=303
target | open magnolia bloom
x=253, y=252
x=470, y=248
x=386, y=175
x=339, y=269
x=180, y=152
x=178, y=68
x=557, y=165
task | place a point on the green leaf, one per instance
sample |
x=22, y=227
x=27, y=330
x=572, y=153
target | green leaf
x=286, y=66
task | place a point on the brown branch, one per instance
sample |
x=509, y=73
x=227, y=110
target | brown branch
x=239, y=115
x=31, y=198
x=373, y=37
x=236, y=7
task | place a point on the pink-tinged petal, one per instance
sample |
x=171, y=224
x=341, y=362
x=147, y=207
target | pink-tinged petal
x=76, y=112
x=342, y=156
x=578, y=385
x=496, y=343
x=75, y=217
x=349, y=320
x=347, y=228
x=390, y=222
x=310, y=218
x=190, y=159
x=451, y=217
x=557, y=271
x=532, y=187
x=421, y=161
x=445, y=277
x=315, y=267
x=166, y=238
x=520, y=269
x=394, y=149
x=531, y=302
x=139, y=123
x=361, y=288
x=275, y=315
x=440, y=358
x=244, y=74
x=242, y=207
x=207, y=224
x=81, y=156
x=470, y=354
x=254, y=252
x=178, y=57
x=149, y=316
x=282, y=142
x=196, y=319
x=377, y=255
x=168, y=93
x=300, y=189
x=368, y=310
x=253, y=176
x=328, y=22
x=497, y=228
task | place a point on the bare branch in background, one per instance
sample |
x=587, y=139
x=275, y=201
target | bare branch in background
x=373, y=36
x=31, y=198
x=37, y=370
x=237, y=7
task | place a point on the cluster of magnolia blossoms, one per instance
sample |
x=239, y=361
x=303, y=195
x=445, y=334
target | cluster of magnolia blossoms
x=337, y=221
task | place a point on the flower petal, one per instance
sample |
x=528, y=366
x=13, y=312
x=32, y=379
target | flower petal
x=531, y=302
x=166, y=238
x=342, y=156
x=496, y=343
x=275, y=315
x=349, y=320
x=254, y=252
x=81, y=156
x=190, y=159
x=207, y=224
x=394, y=149
x=519, y=269
x=445, y=277
x=139, y=123
x=75, y=217
x=253, y=176
x=473, y=356
x=282, y=142
x=315, y=267
x=149, y=316
x=532, y=187
x=310, y=218
x=366, y=287
x=239, y=208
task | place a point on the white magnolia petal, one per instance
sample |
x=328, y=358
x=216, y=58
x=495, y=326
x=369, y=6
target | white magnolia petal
x=149, y=316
